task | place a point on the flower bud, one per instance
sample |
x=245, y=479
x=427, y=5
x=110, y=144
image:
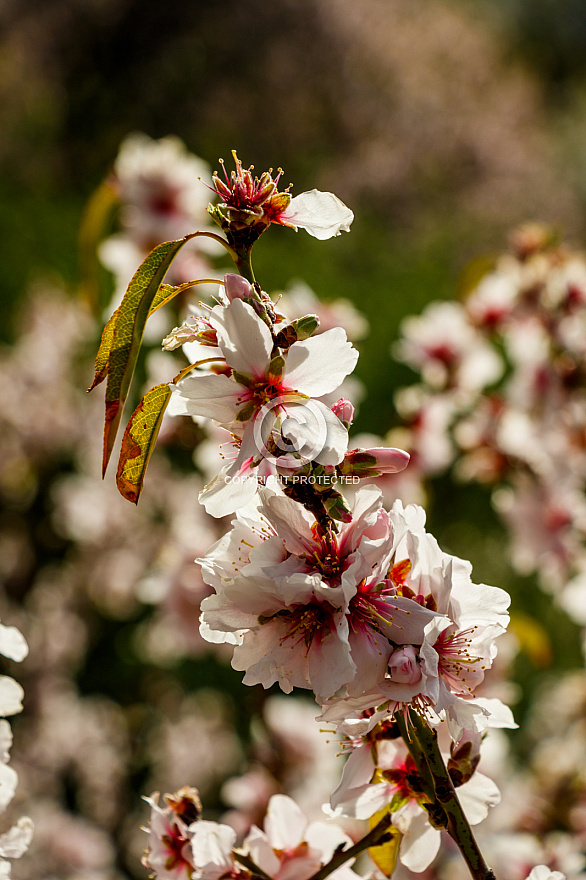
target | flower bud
x=374, y=462
x=404, y=666
x=344, y=410
x=237, y=287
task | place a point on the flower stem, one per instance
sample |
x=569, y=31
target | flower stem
x=457, y=826
x=243, y=260
x=377, y=836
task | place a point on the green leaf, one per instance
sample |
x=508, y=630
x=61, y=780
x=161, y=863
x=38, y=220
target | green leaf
x=124, y=344
x=139, y=441
x=164, y=295
x=386, y=855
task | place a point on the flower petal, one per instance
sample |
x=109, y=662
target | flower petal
x=322, y=214
x=320, y=364
x=244, y=338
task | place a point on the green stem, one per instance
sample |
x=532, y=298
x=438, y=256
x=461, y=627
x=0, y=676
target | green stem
x=220, y=240
x=458, y=826
x=377, y=836
x=243, y=261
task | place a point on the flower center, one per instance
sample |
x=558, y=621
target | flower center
x=303, y=623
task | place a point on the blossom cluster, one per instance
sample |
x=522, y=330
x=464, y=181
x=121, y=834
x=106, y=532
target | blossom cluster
x=502, y=395
x=342, y=597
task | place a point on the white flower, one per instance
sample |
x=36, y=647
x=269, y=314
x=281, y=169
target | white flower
x=272, y=406
x=290, y=848
x=212, y=846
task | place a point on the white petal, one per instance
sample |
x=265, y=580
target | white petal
x=226, y=493
x=214, y=397
x=8, y=783
x=420, y=844
x=319, y=364
x=11, y=695
x=542, y=872
x=15, y=842
x=244, y=338
x=477, y=796
x=322, y=214
x=212, y=848
x=285, y=823
x=12, y=643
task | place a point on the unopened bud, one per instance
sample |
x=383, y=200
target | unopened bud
x=404, y=665
x=237, y=287
x=344, y=410
x=374, y=462
x=297, y=331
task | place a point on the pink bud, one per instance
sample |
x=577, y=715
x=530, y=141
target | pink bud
x=236, y=287
x=389, y=460
x=404, y=666
x=344, y=410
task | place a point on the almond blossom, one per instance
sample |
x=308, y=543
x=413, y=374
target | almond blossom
x=293, y=584
x=248, y=201
x=269, y=401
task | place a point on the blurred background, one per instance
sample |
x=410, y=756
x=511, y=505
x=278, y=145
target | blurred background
x=443, y=125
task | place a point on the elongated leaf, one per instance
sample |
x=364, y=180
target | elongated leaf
x=164, y=295
x=139, y=441
x=386, y=855
x=128, y=331
x=103, y=355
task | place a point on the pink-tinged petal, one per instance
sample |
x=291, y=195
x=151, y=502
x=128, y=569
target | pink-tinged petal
x=292, y=523
x=261, y=852
x=330, y=664
x=285, y=823
x=322, y=214
x=318, y=365
x=245, y=340
x=213, y=397
x=357, y=773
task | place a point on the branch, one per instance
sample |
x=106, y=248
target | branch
x=458, y=826
x=376, y=837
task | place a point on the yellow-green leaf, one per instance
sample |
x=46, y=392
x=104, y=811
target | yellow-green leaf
x=164, y=295
x=139, y=441
x=386, y=855
x=128, y=329
x=103, y=355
